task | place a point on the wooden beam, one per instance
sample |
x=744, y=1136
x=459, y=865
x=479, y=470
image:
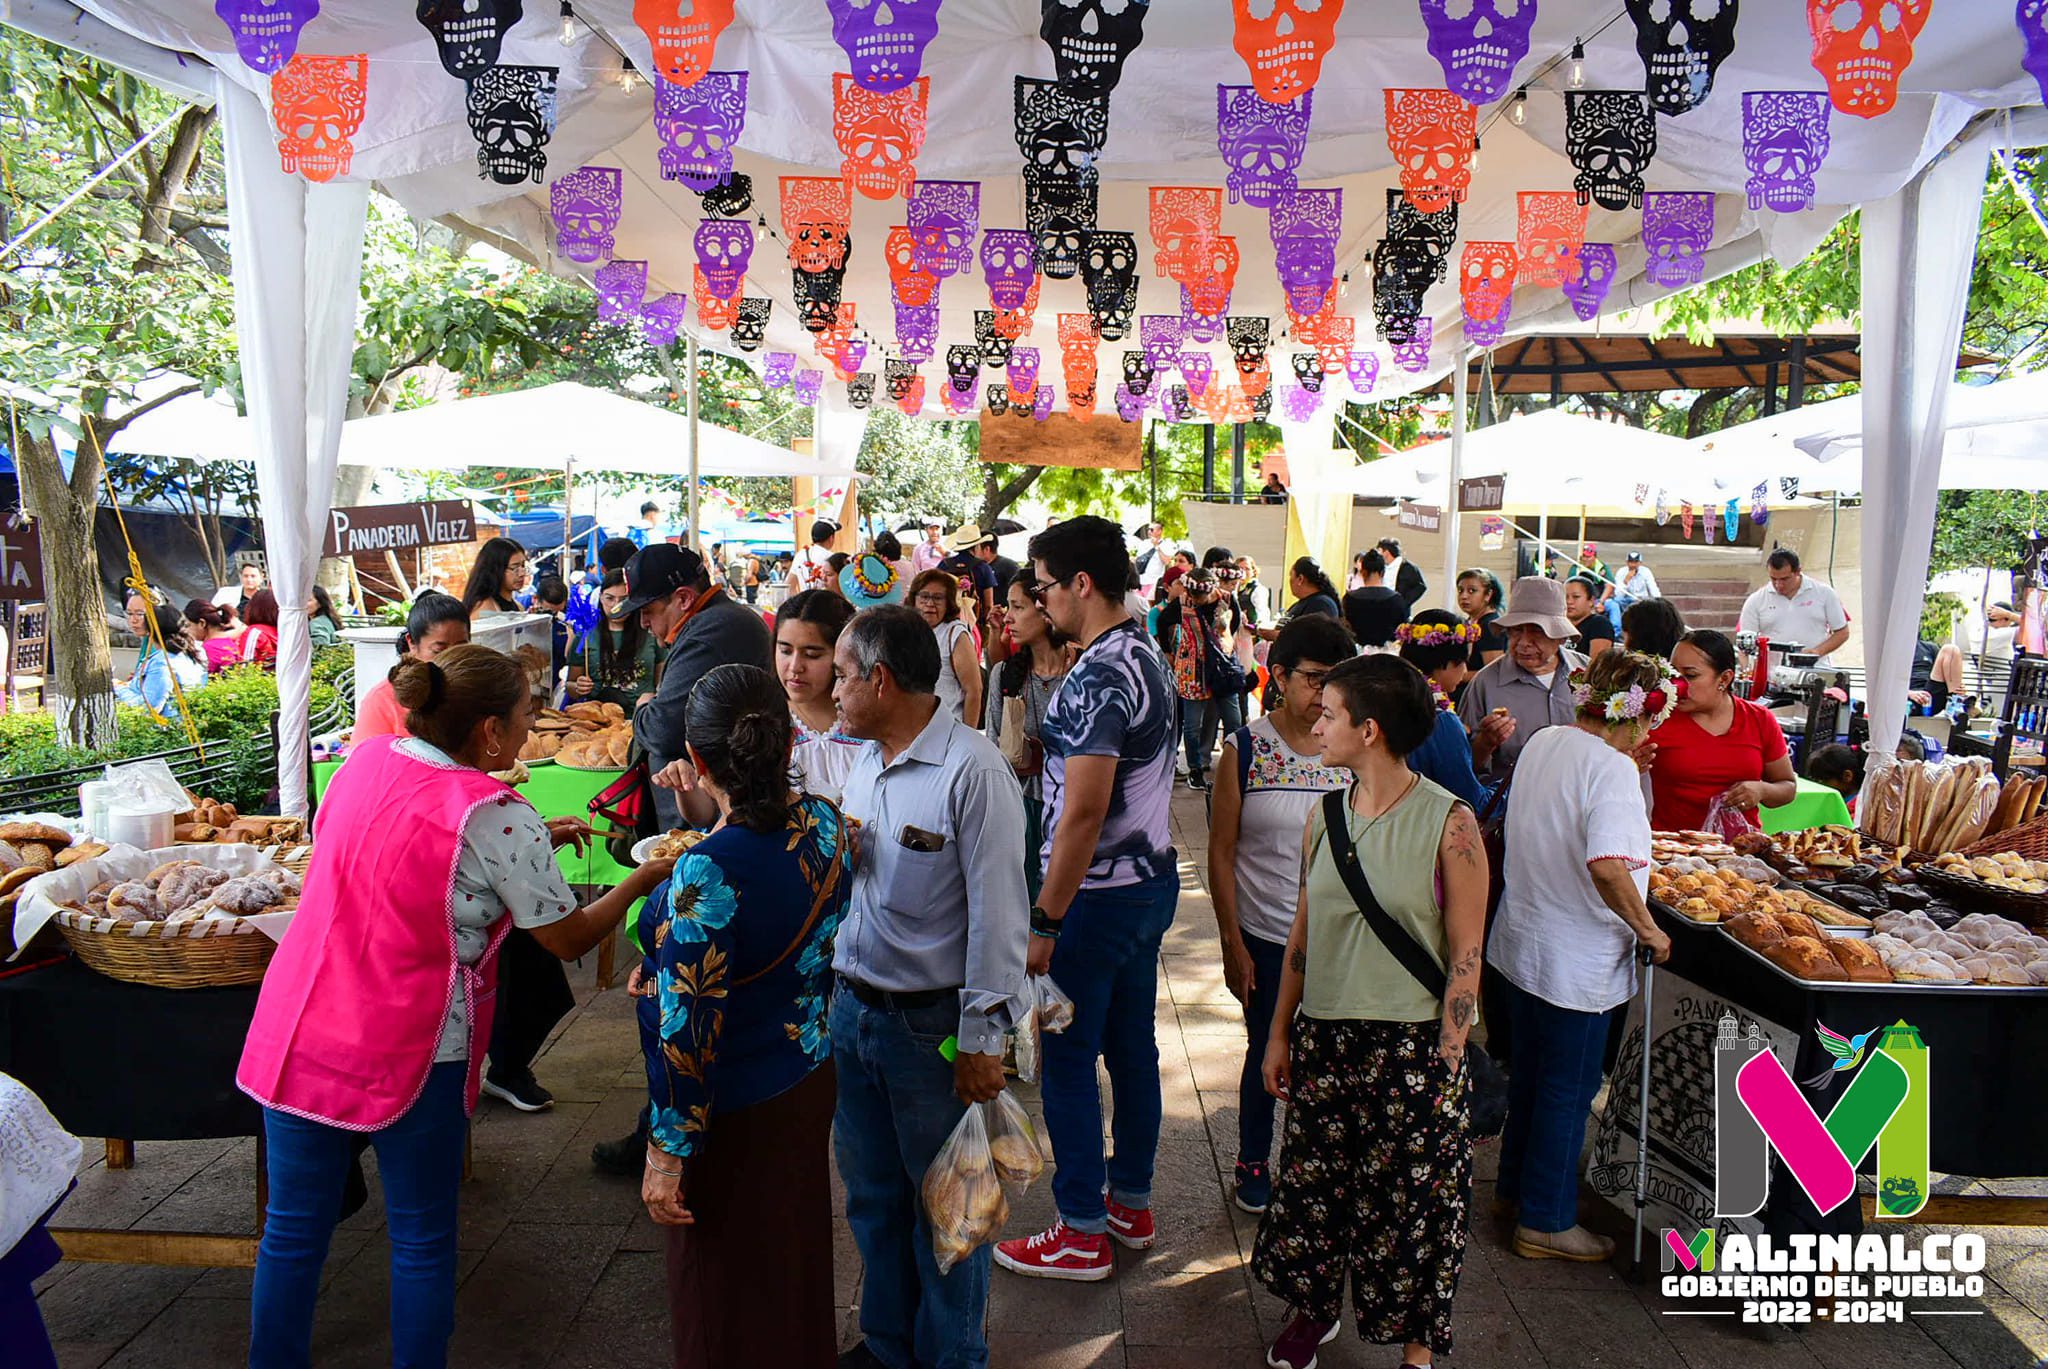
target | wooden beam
x=189, y=1249
x=1965, y=1209
x=120, y=1154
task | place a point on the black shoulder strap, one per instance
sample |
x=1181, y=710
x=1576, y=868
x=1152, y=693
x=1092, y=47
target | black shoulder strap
x=1400, y=943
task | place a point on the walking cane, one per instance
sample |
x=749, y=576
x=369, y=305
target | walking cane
x=1643, y=1111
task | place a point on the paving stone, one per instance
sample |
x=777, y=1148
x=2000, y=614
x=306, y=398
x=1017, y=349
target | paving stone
x=625, y=1320
x=1861, y=1347
x=518, y=1306
x=111, y=1303
x=2007, y=1335
x=191, y=1331
x=1708, y=1342
x=1061, y=1351
x=1022, y=1306
x=1574, y=1327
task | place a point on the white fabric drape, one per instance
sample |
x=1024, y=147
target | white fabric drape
x=1918, y=247
x=297, y=263
x=1318, y=511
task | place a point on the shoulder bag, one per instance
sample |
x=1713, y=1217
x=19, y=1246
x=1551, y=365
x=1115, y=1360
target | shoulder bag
x=1489, y=1087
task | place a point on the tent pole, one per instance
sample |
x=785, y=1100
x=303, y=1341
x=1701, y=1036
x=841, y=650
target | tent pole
x=568, y=515
x=1457, y=472
x=690, y=360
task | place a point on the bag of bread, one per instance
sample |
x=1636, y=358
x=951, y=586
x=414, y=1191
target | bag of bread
x=1013, y=1142
x=1055, y=1010
x=1026, y=1040
x=963, y=1195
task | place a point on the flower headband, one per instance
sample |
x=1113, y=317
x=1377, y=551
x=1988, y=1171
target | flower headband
x=1625, y=705
x=1436, y=634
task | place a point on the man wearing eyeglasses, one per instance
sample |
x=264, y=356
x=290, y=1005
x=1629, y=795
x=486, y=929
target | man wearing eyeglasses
x=1110, y=889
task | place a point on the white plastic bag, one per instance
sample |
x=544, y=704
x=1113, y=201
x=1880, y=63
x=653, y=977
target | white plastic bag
x=147, y=785
x=963, y=1196
x=1055, y=1010
x=1014, y=1144
x=1026, y=1040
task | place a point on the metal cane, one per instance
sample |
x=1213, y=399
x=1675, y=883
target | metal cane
x=1643, y=1109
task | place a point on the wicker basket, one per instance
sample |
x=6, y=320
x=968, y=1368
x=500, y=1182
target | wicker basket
x=2032, y=909
x=2029, y=839
x=187, y=955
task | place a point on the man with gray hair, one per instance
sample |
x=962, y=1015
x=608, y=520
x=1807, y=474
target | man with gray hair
x=930, y=968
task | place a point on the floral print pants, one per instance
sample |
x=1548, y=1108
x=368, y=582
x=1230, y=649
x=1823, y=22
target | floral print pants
x=1375, y=1180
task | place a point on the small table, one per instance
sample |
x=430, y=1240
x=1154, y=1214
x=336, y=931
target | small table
x=1815, y=805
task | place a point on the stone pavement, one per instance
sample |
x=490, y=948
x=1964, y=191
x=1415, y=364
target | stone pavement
x=560, y=1267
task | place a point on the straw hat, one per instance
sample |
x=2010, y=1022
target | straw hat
x=965, y=538
x=1538, y=600
x=869, y=582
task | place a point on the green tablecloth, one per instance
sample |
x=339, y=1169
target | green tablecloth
x=1815, y=805
x=555, y=791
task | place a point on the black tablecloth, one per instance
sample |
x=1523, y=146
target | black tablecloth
x=1989, y=1063
x=128, y=1060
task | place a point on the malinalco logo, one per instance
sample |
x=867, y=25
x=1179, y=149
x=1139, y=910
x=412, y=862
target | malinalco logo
x=1758, y=1108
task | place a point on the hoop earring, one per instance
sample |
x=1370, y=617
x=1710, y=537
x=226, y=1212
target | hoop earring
x=492, y=752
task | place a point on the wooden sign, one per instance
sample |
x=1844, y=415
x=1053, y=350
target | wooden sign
x=398, y=527
x=1484, y=494
x=1420, y=517
x=1104, y=443
x=21, y=563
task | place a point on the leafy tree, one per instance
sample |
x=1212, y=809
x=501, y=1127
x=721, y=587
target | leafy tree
x=1983, y=528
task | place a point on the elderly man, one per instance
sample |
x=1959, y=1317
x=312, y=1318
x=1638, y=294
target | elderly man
x=1795, y=609
x=1110, y=891
x=930, y=957
x=1528, y=689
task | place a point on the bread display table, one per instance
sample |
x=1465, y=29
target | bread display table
x=140, y=1063
x=1988, y=1068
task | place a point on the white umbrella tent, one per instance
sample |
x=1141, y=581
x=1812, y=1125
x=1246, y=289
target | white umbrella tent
x=919, y=139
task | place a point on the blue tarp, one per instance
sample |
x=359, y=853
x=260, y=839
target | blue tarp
x=542, y=531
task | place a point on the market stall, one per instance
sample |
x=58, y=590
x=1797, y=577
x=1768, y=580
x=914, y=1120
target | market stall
x=1811, y=945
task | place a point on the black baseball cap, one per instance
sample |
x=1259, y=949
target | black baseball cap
x=657, y=571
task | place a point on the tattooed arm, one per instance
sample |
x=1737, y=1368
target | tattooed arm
x=1293, y=970
x=1461, y=857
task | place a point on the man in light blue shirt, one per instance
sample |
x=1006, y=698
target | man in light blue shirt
x=930, y=957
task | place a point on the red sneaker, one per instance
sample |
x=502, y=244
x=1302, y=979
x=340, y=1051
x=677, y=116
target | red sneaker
x=1131, y=1225
x=1058, y=1252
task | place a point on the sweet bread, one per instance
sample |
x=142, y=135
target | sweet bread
x=1803, y=957
x=188, y=883
x=1799, y=924
x=42, y=832
x=1756, y=930
x=1862, y=964
x=71, y=855
x=134, y=901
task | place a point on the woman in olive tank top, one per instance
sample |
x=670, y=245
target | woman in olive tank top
x=1375, y=1170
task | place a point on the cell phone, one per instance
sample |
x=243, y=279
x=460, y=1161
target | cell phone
x=917, y=839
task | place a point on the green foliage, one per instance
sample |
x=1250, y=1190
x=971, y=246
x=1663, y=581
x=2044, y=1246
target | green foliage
x=1982, y=528
x=1938, y=614
x=919, y=466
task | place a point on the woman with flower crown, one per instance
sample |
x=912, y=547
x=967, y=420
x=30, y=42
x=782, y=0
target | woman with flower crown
x=1564, y=942
x=1716, y=746
x=1439, y=644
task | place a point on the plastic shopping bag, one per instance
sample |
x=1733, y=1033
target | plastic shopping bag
x=1013, y=1143
x=1054, y=1009
x=963, y=1195
x=1026, y=1040
x=1726, y=821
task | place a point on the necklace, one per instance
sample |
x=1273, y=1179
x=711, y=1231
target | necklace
x=1373, y=821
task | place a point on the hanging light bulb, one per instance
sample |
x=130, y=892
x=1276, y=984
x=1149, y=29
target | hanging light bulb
x=629, y=76
x=1344, y=286
x=1578, y=77
x=1472, y=164
x=568, y=25
x=1518, y=112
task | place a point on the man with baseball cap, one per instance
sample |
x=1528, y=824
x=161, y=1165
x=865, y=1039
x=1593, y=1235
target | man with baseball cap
x=1528, y=689
x=671, y=588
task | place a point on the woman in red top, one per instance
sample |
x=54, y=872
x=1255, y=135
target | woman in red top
x=1715, y=745
x=259, y=639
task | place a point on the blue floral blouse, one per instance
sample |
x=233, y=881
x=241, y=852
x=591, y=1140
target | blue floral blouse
x=742, y=968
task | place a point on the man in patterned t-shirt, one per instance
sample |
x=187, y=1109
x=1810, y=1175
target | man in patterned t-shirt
x=1111, y=883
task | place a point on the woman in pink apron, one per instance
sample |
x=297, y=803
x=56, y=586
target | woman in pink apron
x=376, y=1010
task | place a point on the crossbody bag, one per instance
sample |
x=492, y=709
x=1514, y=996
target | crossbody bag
x=1489, y=1086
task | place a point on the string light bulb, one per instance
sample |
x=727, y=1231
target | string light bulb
x=568, y=25
x=1518, y=112
x=1344, y=285
x=1472, y=164
x=629, y=76
x=1578, y=76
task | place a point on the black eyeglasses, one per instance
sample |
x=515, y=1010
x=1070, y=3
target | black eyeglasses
x=1044, y=587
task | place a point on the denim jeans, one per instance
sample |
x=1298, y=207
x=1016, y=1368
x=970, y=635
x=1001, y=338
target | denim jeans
x=1200, y=721
x=896, y=1108
x=1254, y=1104
x=1550, y=1089
x=1107, y=960
x=419, y=1161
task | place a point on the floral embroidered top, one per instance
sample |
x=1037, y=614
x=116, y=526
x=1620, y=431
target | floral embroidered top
x=741, y=967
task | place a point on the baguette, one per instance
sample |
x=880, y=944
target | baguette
x=1934, y=818
x=2032, y=806
x=1973, y=817
x=1915, y=804
x=1962, y=803
x=1883, y=803
x=2009, y=799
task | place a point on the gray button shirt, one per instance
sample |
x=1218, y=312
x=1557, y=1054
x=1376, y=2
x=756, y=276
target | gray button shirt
x=956, y=916
x=1533, y=707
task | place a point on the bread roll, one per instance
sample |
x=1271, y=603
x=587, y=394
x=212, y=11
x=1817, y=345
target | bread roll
x=1862, y=964
x=1804, y=957
x=1755, y=930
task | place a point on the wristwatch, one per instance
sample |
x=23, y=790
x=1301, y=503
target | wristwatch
x=1044, y=924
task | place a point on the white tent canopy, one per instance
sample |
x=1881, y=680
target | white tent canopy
x=543, y=426
x=1996, y=438
x=1553, y=457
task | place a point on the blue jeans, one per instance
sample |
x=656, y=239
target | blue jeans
x=896, y=1108
x=1200, y=720
x=1551, y=1084
x=419, y=1161
x=1254, y=1104
x=1107, y=960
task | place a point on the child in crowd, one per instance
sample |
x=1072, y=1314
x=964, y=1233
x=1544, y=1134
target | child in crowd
x=1841, y=767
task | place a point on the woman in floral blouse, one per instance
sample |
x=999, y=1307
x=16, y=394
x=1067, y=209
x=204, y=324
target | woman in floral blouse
x=738, y=1058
